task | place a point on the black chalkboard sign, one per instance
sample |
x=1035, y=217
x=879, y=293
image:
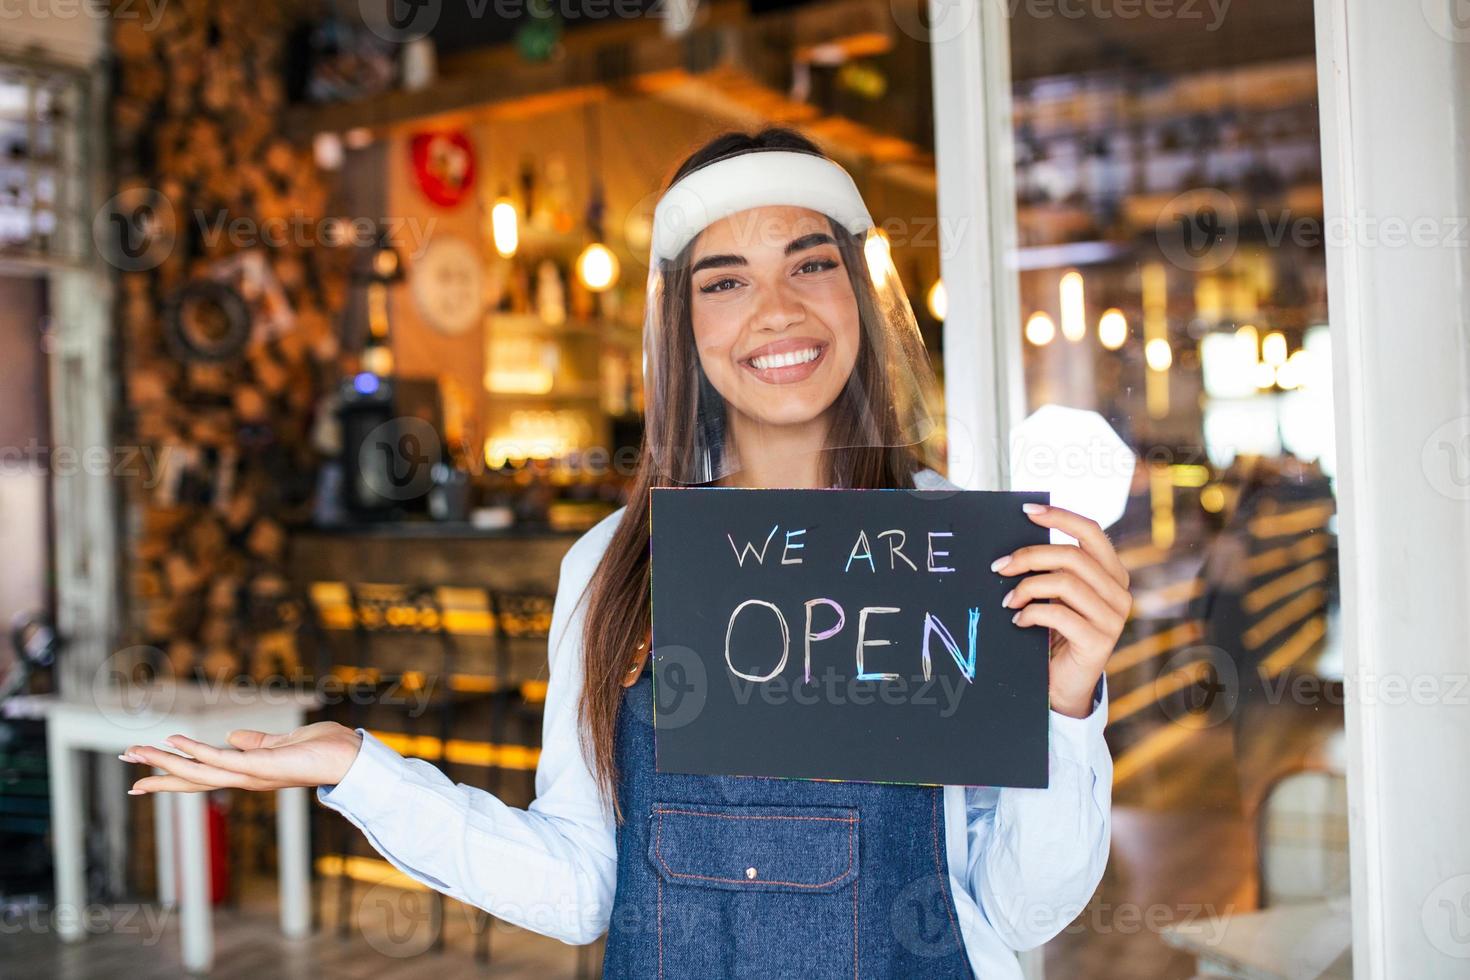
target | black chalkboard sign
x=845, y=634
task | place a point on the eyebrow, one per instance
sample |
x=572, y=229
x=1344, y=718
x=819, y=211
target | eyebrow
x=795, y=245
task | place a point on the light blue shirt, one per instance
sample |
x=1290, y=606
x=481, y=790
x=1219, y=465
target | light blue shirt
x=1022, y=862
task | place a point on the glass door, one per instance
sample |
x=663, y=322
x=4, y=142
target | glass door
x=1154, y=175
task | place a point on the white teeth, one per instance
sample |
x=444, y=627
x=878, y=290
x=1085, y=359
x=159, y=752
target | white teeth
x=785, y=360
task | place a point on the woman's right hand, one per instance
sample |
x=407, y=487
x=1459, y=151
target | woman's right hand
x=316, y=755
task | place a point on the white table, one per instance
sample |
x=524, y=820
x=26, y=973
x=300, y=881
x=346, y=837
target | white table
x=1286, y=942
x=110, y=720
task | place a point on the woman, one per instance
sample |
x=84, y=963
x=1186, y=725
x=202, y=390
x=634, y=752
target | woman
x=780, y=352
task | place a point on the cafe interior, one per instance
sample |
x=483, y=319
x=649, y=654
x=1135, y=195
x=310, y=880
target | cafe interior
x=323, y=236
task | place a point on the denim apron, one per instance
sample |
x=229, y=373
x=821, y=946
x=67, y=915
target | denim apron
x=758, y=877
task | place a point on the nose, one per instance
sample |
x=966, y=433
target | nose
x=779, y=308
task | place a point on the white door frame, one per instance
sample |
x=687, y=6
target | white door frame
x=1394, y=89
x=1393, y=92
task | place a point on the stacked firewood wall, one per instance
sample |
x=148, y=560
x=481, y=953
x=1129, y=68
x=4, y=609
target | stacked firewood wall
x=225, y=463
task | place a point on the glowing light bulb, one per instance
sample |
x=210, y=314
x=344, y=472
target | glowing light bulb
x=504, y=228
x=1074, y=310
x=1273, y=348
x=597, y=267
x=938, y=300
x=1040, y=329
x=1112, y=329
x=1158, y=354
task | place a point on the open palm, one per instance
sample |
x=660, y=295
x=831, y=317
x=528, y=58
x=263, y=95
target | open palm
x=315, y=755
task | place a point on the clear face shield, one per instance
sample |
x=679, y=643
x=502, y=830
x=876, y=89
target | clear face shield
x=776, y=325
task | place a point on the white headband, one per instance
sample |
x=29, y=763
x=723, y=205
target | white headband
x=760, y=178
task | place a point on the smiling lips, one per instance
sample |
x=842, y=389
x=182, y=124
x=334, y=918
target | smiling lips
x=786, y=361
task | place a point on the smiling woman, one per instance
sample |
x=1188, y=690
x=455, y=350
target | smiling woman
x=780, y=352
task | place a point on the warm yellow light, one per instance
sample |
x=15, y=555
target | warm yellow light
x=1249, y=342
x=377, y=359
x=1212, y=498
x=1112, y=329
x=1273, y=348
x=1265, y=375
x=503, y=228
x=1158, y=354
x=1292, y=374
x=1074, y=309
x=597, y=267
x=879, y=254
x=1189, y=474
x=1040, y=329
x=938, y=300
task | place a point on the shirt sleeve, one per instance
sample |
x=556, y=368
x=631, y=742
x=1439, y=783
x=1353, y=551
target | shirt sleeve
x=551, y=867
x=1037, y=855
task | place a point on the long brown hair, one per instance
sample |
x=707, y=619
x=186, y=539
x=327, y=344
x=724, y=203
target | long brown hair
x=618, y=616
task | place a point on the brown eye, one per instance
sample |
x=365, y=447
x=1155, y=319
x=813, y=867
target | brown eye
x=818, y=265
x=718, y=285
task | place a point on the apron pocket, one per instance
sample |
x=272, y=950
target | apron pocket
x=756, y=891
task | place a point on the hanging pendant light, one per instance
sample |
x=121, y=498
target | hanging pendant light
x=505, y=226
x=597, y=266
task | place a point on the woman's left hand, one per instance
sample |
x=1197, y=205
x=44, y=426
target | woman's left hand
x=1088, y=586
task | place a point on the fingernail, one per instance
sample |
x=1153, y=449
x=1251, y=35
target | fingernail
x=1034, y=508
x=135, y=792
x=1007, y=600
x=1000, y=563
x=1016, y=619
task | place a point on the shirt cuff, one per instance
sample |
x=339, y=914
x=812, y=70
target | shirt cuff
x=369, y=782
x=1075, y=739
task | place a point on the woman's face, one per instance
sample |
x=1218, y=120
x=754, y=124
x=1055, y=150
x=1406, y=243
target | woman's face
x=775, y=320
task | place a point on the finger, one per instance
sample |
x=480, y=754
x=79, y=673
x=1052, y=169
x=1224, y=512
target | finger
x=1089, y=534
x=255, y=762
x=1084, y=638
x=1071, y=590
x=1066, y=557
x=167, y=784
x=249, y=738
x=196, y=772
